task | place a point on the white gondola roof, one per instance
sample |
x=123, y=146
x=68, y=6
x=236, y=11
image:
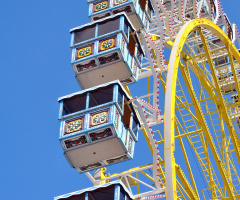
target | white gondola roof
x=94, y=88
x=94, y=188
x=100, y=20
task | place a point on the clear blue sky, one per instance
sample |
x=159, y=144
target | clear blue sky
x=35, y=70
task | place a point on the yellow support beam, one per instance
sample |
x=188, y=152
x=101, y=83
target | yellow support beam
x=185, y=183
x=195, y=192
x=234, y=72
x=169, y=121
x=222, y=106
x=181, y=189
x=148, y=176
x=207, y=133
x=187, y=108
x=129, y=171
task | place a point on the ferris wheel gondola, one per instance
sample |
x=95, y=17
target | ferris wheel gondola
x=106, y=50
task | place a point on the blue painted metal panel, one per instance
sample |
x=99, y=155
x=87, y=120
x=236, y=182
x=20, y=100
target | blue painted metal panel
x=72, y=39
x=60, y=110
x=117, y=192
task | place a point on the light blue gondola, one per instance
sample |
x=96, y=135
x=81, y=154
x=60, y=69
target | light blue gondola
x=189, y=14
x=235, y=111
x=223, y=66
x=139, y=11
x=105, y=51
x=110, y=191
x=167, y=4
x=99, y=127
x=214, y=41
x=224, y=73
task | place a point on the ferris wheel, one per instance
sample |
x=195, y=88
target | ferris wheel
x=168, y=70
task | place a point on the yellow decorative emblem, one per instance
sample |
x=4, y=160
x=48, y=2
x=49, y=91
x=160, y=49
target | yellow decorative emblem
x=101, y=6
x=119, y=1
x=107, y=44
x=85, y=51
x=73, y=126
x=99, y=118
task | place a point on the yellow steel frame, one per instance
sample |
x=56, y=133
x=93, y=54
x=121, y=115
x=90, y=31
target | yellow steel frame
x=170, y=103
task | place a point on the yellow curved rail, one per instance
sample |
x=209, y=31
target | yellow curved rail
x=169, y=130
